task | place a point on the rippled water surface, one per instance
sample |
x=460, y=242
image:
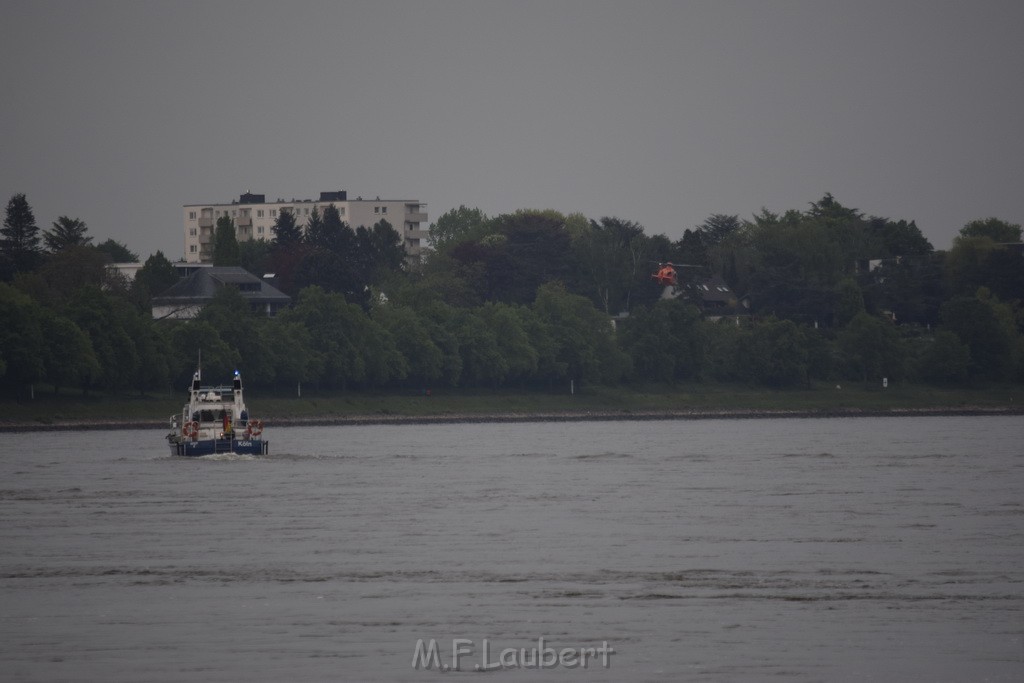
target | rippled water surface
x=788, y=550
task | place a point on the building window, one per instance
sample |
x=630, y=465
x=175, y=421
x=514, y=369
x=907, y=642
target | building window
x=383, y=209
x=191, y=232
x=191, y=215
x=192, y=248
x=273, y=213
x=376, y=209
x=259, y=230
x=259, y=213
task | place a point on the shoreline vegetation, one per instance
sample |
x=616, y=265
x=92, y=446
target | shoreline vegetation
x=764, y=318
x=690, y=402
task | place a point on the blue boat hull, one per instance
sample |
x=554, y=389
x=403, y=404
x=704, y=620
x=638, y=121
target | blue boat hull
x=215, y=446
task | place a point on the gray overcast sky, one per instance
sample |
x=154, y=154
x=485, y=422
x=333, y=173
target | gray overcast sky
x=662, y=113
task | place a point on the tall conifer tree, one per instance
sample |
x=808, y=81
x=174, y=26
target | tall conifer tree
x=225, y=243
x=20, y=243
x=67, y=232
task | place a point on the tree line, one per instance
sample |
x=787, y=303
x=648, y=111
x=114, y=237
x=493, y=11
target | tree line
x=526, y=300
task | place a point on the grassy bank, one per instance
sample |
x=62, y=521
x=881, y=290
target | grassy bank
x=47, y=409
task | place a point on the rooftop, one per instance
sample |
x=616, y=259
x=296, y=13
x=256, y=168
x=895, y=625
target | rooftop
x=203, y=285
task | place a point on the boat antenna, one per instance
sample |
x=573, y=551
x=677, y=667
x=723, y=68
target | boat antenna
x=197, y=377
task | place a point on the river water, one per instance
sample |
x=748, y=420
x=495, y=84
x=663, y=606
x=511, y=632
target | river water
x=721, y=550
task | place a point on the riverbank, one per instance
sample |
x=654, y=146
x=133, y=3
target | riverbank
x=692, y=402
x=73, y=425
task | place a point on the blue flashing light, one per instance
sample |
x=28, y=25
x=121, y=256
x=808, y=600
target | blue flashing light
x=236, y=373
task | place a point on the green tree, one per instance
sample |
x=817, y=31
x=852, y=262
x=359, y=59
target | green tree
x=795, y=261
x=647, y=338
x=22, y=341
x=314, y=226
x=286, y=264
x=978, y=260
x=255, y=256
x=332, y=272
x=513, y=342
x=1004, y=274
x=63, y=273
x=718, y=227
x=19, y=245
x=286, y=230
x=912, y=288
x=479, y=271
x=187, y=341
x=154, y=352
x=69, y=358
x=288, y=346
x=666, y=342
x=896, y=238
x=118, y=252
x=380, y=358
x=482, y=360
x=832, y=212
x=451, y=281
x=613, y=255
x=241, y=329
x=333, y=259
x=986, y=327
x=330, y=322
x=413, y=340
x=871, y=349
x=722, y=356
x=381, y=249
x=690, y=249
x=458, y=225
x=821, y=354
x=944, y=359
x=996, y=230
x=67, y=232
x=535, y=249
x=111, y=325
x=849, y=301
x=584, y=342
x=966, y=263
x=329, y=232
x=440, y=321
x=774, y=353
x=543, y=342
x=225, y=243
x=156, y=276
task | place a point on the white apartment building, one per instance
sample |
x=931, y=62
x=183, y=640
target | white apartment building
x=254, y=217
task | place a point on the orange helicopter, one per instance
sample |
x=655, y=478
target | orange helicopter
x=666, y=275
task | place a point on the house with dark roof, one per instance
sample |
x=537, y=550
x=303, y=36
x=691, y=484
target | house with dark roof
x=712, y=295
x=187, y=297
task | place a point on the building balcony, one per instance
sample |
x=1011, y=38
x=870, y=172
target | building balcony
x=416, y=217
x=206, y=221
x=415, y=234
x=244, y=219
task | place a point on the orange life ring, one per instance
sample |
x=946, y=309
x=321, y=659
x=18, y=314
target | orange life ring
x=191, y=429
x=255, y=427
